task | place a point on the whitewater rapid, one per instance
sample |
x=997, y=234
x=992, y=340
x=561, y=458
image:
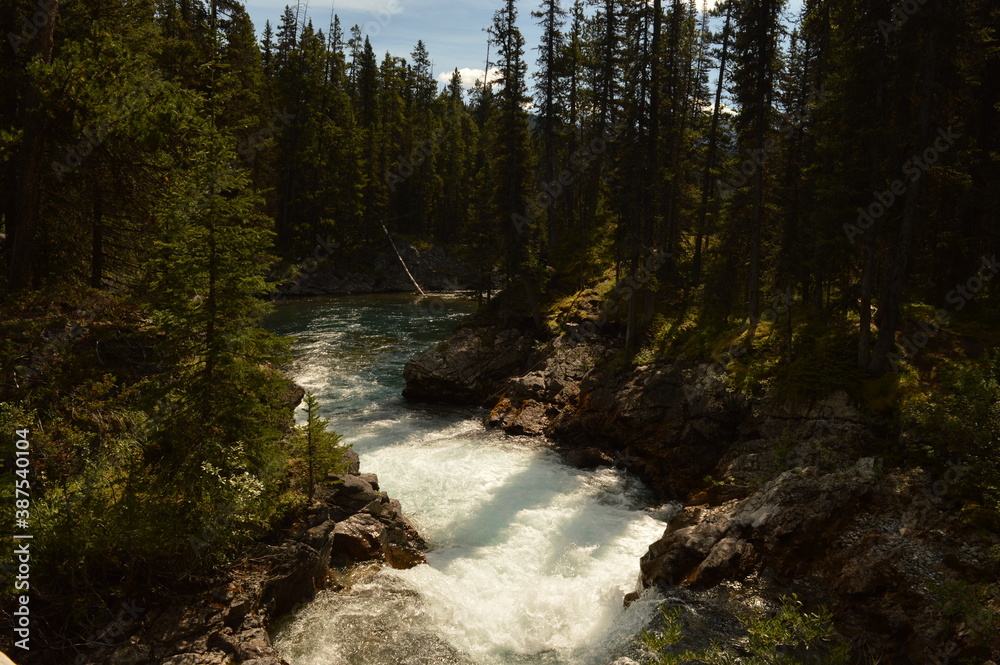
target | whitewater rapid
x=529, y=560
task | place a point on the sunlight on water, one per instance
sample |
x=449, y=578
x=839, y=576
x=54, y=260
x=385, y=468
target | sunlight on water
x=530, y=558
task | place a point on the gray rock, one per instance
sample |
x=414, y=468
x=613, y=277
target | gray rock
x=353, y=492
x=467, y=369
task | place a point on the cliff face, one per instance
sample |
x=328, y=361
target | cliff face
x=787, y=498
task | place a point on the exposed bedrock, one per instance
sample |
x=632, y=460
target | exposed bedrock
x=778, y=497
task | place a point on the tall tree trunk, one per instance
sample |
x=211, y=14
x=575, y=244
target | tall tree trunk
x=713, y=147
x=22, y=230
x=890, y=302
x=760, y=27
x=97, y=242
x=550, y=116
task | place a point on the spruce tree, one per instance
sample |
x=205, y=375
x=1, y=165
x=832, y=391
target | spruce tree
x=318, y=445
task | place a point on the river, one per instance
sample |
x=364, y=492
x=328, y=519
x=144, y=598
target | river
x=529, y=558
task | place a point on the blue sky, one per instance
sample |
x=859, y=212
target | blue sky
x=451, y=30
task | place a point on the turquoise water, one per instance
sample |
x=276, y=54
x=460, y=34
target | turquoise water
x=529, y=558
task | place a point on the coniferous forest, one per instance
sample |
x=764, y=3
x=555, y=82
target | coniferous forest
x=808, y=199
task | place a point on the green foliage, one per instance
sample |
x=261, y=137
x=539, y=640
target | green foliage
x=972, y=609
x=143, y=467
x=783, y=447
x=159, y=424
x=788, y=636
x=954, y=415
x=792, y=635
x=824, y=362
x=318, y=446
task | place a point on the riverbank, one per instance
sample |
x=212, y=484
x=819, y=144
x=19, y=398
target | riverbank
x=350, y=525
x=802, y=496
x=375, y=267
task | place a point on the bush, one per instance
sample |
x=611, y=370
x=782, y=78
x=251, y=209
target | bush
x=954, y=416
x=790, y=636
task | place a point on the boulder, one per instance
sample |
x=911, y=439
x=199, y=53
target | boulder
x=365, y=537
x=357, y=539
x=781, y=526
x=585, y=458
x=467, y=369
x=352, y=462
x=351, y=491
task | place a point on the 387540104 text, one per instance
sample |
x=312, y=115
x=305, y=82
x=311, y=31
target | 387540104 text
x=22, y=544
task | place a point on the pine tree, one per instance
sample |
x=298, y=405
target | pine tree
x=516, y=230
x=757, y=49
x=206, y=277
x=22, y=225
x=549, y=79
x=318, y=445
x=424, y=87
x=712, y=155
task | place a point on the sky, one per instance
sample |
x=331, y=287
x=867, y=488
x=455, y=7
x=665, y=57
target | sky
x=452, y=30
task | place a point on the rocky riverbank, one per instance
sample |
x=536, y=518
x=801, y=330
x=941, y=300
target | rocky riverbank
x=350, y=522
x=781, y=498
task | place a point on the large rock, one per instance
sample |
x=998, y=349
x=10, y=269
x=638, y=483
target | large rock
x=779, y=526
x=657, y=420
x=357, y=539
x=871, y=544
x=469, y=368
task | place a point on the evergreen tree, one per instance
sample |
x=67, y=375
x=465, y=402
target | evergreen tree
x=318, y=445
x=549, y=79
x=516, y=231
x=757, y=60
x=216, y=446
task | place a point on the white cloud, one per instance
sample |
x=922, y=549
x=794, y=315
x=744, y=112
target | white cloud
x=709, y=108
x=373, y=6
x=699, y=3
x=469, y=76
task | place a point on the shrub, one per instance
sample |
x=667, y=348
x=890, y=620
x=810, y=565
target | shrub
x=955, y=415
x=790, y=635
